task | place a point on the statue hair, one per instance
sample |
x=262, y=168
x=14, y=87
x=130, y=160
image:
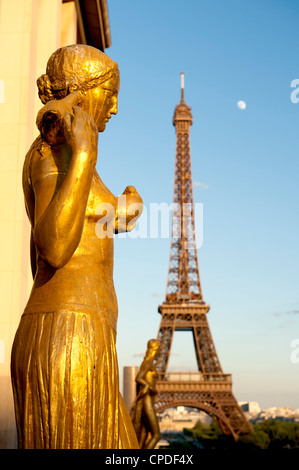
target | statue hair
x=76, y=67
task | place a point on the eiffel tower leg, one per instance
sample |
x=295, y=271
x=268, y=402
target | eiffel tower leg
x=238, y=422
x=165, y=336
x=206, y=355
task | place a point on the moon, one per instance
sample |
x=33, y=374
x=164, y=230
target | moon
x=241, y=105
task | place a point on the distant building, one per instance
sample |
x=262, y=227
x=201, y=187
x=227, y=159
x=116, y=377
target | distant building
x=251, y=407
x=129, y=385
x=176, y=419
x=277, y=412
x=255, y=414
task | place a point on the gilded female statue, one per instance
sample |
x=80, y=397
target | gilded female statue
x=144, y=416
x=64, y=364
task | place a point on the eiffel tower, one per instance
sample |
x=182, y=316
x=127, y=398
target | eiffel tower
x=184, y=309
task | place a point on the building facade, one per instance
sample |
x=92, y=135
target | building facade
x=30, y=31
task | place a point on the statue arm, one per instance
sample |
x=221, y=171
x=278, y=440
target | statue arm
x=129, y=207
x=60, y=209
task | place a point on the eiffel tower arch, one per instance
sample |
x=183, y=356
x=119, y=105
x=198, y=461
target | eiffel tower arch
x=184, y=309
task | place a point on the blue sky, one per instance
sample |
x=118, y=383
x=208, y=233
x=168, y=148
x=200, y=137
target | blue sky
x=247, y=161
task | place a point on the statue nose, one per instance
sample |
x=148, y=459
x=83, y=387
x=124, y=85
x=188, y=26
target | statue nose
x=114, y=106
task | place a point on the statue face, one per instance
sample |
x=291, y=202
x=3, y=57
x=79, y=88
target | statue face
x=109, y=108
x=100, y=103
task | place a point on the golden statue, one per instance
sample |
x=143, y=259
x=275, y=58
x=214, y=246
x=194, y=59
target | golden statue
x=144, y=416
x=64, y=363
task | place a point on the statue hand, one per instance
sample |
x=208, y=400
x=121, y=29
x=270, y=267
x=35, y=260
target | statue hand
x=61, y=107
x=130, y=191
x=132, y=194
x=143, y=391
x=49, y=118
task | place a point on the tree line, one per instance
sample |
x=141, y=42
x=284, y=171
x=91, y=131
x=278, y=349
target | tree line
x=269, y=434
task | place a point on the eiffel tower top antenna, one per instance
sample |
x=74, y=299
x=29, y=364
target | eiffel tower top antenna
x=182, y=86
x=183, y=282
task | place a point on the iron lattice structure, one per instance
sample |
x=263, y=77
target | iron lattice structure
x=209, y=389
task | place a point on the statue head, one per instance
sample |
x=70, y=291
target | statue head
x=85, y=69
x=153, y=346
